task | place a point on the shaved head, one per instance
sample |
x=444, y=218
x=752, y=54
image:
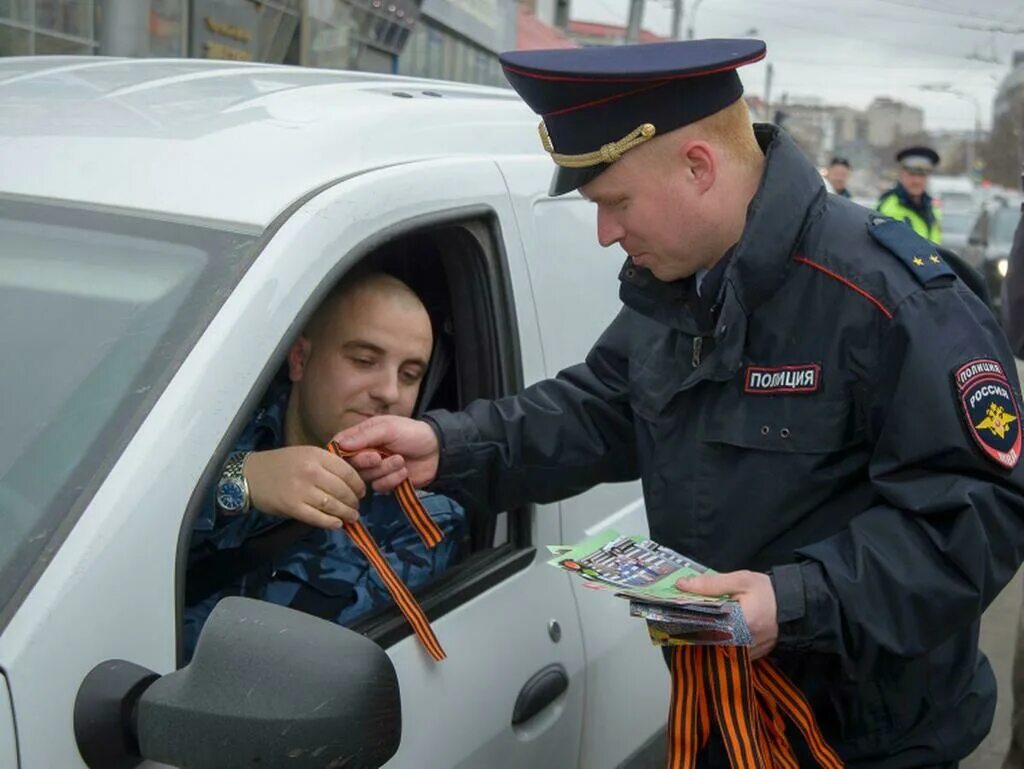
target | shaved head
x=364, y=352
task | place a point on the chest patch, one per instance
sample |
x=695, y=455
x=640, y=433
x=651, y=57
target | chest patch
x=771, y=380
x=990, y=410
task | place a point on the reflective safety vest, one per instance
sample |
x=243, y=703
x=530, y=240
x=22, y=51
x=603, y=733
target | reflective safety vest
x=890, y=205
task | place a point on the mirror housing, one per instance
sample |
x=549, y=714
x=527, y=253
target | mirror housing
x=267, y=686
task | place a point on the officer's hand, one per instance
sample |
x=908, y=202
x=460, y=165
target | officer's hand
x=413, y=440
x=756, y=597
x=306, y=483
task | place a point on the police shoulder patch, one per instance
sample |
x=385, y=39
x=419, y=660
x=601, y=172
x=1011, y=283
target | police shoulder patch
x=917, y=254
x=989, y=409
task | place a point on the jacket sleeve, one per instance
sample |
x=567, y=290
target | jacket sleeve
x=947, y=530
x=555, y=439
x=212, y=529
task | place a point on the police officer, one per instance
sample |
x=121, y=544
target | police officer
x=908, y=201
x=817, y=407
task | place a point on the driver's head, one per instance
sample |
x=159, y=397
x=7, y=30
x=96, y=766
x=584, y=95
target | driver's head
x=364, y=352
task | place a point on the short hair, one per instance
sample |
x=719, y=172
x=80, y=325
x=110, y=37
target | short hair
x=733, y=129
x=838, y=161
x=351, y=284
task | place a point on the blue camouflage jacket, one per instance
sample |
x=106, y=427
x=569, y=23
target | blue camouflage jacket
x=323, y=573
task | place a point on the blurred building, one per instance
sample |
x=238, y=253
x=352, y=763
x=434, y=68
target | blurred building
x=956, y=148
x=534, y=35
x=888, y=121
x=812, y=126
x=1011, y=91
x=553, y=13
x=1005, y=149
x=450, y=39
x=591, y=33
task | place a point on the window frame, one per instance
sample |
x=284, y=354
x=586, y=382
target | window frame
x=481, y=569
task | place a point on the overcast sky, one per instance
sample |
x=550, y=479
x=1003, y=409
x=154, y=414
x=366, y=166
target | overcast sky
x=849, y=51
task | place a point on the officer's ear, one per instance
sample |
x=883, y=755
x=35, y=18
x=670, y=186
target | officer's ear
x=700, y=163
x=298, y=357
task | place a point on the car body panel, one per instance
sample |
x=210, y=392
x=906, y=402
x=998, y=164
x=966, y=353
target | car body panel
x=622, y=666
x=8, y=737
x=194, y=138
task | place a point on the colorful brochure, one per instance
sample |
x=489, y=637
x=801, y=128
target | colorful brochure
x=645, y=573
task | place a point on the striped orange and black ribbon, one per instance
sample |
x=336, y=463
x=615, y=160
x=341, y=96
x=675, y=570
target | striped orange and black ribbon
x=749, y=702
x=431, y=535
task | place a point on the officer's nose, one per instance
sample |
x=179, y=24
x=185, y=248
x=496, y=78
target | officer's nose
x=609, y=230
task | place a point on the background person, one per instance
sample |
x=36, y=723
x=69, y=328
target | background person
x=838, y=173
x=909, y=201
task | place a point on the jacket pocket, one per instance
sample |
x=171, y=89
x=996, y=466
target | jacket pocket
x=791, y=424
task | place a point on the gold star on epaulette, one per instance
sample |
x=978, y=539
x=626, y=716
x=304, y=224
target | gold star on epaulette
x=919, y=261
x=935, y=258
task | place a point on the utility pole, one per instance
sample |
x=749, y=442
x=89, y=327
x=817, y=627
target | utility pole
x=768, y=93
x=636, y=16
x=693, y=19
x=677, y=19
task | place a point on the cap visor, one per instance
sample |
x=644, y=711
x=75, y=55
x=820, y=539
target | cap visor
x=569, y=179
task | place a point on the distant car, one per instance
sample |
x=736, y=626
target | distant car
x=989, y=243
x=956, y=228
x=953, y=194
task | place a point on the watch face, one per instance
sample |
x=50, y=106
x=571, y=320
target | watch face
x=230, y=496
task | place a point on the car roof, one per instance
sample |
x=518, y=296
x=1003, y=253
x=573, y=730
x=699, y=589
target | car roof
x=227, y=141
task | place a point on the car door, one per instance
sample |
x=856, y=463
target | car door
x=576, y=293
x=107, y=585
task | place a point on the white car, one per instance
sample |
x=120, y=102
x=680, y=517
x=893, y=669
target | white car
x=165, y=229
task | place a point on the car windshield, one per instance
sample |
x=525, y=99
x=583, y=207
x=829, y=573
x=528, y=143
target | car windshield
x=957, y=223
x=956, y=201
x=1004, y=224
x=97, y=311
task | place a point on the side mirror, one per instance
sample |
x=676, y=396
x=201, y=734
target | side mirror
x=267, y=686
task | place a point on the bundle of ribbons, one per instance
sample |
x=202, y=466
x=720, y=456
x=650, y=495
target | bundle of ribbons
x=749, y=701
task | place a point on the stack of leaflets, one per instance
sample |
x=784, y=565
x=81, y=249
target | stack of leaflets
x=645, y=573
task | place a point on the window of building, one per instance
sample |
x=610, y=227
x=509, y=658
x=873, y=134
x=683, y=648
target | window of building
x=327, y=34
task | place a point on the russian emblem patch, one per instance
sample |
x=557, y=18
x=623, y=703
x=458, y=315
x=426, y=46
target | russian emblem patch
x=990, y=409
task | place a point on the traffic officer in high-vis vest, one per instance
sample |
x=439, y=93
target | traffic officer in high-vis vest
x=909, y=201
x=818, y=408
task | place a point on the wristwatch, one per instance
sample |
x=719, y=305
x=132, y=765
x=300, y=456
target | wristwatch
x=232, y=488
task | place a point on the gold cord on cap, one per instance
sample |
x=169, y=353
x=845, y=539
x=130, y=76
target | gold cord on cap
x=609, y=153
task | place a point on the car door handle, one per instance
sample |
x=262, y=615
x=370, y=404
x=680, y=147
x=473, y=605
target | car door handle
x=540, y=691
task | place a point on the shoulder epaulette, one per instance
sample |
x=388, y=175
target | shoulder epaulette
x=917, y=254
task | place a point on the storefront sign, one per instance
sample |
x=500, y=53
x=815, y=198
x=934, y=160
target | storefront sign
x=225, y=29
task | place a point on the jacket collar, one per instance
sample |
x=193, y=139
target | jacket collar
x=266, y=429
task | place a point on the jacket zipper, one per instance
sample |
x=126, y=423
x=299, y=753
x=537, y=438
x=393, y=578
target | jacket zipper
x=698, y=344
